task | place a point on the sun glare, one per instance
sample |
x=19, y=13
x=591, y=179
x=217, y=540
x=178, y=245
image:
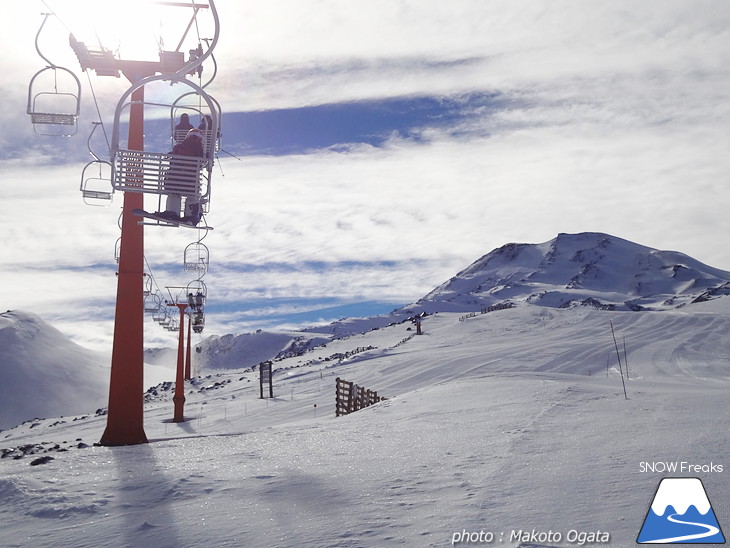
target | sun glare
x=136, y=29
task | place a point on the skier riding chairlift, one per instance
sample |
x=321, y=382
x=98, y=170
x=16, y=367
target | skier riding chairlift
x=182, y=174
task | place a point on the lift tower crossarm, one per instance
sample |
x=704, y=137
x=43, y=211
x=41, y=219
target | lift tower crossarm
x=103, y=62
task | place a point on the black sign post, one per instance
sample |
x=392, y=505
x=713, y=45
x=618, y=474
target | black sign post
x=266, y=376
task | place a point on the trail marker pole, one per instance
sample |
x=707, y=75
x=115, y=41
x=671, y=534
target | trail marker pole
x=618, y=355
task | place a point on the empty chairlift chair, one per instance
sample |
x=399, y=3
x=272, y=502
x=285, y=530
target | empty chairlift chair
x=96, y=179
x=196, y=257
x=152, y=304
x=54, y=98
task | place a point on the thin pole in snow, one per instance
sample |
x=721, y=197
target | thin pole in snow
x=618, y=355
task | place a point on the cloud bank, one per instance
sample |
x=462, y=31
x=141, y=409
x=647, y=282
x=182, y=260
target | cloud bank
x=383, y=146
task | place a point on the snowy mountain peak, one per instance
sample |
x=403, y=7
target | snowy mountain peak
x=589, y=268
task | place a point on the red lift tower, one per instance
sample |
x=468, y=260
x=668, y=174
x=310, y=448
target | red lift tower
x=126, y=399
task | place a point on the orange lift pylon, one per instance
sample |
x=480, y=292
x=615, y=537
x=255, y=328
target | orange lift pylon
x=125, y=422
x=125, y=425
x=179, y=396
x=188, y=354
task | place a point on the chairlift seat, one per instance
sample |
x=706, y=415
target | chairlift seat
x=98, y=194
x=53, y=118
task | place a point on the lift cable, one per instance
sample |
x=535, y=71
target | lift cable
x=56, y=16
x=98, y=112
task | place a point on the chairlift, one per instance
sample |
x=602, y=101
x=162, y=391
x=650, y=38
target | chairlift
x=198, y=319
x=163, y=317
x=54, y=98
x=96, y=178
x=96, y=187
x=152, y=303
x=160, y=314
x=196, y=257
x=147, y=291
x=162, y=173
x=198, y=291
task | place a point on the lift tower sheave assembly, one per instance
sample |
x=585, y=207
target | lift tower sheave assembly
x=126, y=391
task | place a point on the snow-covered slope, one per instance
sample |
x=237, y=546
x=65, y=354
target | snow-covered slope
x=512, y=422
x=44, y=373
x=250, y=349
x=588, y=268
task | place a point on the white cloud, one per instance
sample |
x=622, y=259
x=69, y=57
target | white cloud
x=612, y=117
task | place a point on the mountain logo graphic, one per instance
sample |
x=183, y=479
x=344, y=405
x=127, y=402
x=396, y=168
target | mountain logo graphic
x=680, y=513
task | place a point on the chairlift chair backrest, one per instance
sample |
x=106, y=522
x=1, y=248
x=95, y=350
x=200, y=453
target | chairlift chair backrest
x=200, y=112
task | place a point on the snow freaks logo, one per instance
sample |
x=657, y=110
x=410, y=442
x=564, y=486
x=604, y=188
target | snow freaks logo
x=680, y=513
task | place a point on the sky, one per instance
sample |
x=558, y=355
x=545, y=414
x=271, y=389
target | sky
x=371, y=150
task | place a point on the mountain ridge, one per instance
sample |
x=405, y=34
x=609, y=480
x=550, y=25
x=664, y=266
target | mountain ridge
x=590, y=267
